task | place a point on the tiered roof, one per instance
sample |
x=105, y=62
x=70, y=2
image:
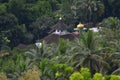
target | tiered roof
x=60, y=25
x=60, y=29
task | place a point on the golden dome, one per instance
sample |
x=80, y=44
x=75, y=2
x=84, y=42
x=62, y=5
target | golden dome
x=79, y=26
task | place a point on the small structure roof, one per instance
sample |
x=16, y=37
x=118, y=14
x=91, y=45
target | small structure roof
x=54, y=38
x=60, y=25
x=88, y=25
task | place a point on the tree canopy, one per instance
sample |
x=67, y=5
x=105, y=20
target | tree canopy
x=16, y=13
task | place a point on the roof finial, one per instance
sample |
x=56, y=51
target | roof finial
x=60, y=18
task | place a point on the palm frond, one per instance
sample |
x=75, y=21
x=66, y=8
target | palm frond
x=32, y=52
x=116, y=72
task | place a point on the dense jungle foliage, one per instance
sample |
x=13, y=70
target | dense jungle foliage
x=24, y=21
x=92, y=56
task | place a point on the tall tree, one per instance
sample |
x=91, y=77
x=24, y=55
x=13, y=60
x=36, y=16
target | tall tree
x=16, y=7
x=112, y=8
x=9, y=27
x=41, y=27
x=88, y=54
x=91, y=8
x=3, y=1
x=76, y=11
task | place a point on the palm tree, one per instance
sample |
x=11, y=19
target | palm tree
x=88, y=55
x=90, y=8
x=45, y=51
x=113, y=58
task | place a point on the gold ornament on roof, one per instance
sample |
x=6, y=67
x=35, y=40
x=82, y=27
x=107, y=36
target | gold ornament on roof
x=79, y=26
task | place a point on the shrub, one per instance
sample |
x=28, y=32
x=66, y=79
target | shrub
x=3, y=76
x=86, y=73
x=98, y=76
x=111, y=23
x=30, y=74
x=76, y=76
x=114, y=77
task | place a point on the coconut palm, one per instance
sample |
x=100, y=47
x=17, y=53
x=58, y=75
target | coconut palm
x=114, y=58
x=114, y=61
x=88, y=55
x=90, y=8
x=40, y=53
